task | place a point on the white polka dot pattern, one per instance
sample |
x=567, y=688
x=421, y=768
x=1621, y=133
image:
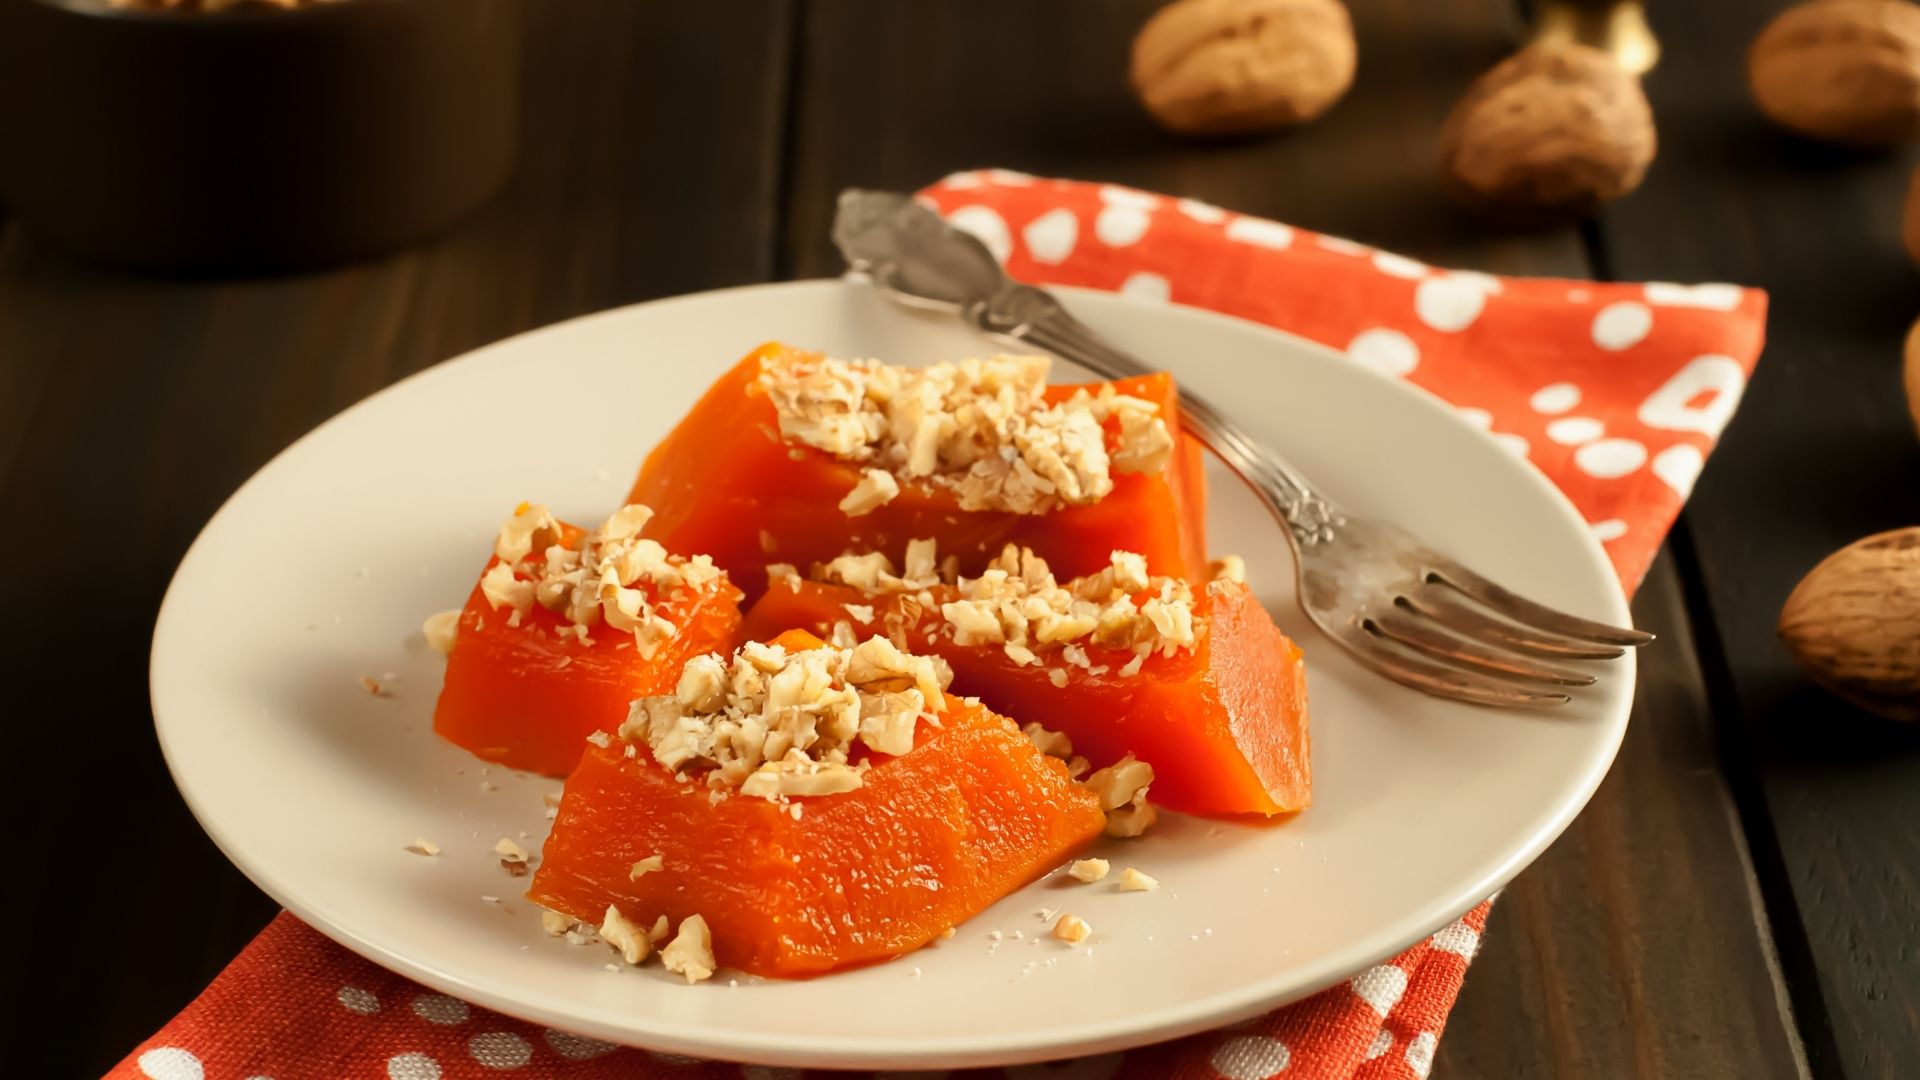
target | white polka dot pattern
x=1146, y=286
x=1575, y=430
x=1388, y=352
x=1420, y=1053
x=1399, y=266
x=412, y=1066
x=170, y=1063
x=1449, y=304
x=987, y=225
x=1381, y=986
x=1516, y=445
x=355, y=1000
x=1457, y=937
x=1121, y=226
x=1382, y=1042
x=1673, y=407
x=500, y=1050
x=576, y=1047
x=1554, y=399
x=1679, y=466
x=1132, y=198
x=1622, y=325
x=1711, y=297
x=1260, y=233
x=1606, y=532
x=1610, y=459
x=1203, y=213
x=440, y=1009
x=1251, y=1057
x=1050, y=236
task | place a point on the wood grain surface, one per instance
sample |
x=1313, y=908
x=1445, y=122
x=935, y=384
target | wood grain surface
x=1745, y=883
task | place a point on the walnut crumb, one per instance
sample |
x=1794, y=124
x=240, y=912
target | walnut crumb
x=876, y=488
x=1072, y=929
x=372, y=686
x=1088, y=870
x=646, y=866
x=1051, y=743
x=1122, y=788
x=424, y=847
x=947, y=934
x=628, y=939
x=441, y=629
x=659, y=932
x=1132, y=880
x=513, y=857
x=690, y=953
x=555, y=923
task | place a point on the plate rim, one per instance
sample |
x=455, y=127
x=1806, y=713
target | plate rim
x=880, y=1051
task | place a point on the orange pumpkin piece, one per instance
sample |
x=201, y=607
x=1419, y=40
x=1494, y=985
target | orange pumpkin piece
x=525, y=692
x=726, y=483
x=817, y=883
x=1224, y=724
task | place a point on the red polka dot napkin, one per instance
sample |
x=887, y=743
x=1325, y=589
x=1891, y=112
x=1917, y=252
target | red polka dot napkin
x=1615, y=392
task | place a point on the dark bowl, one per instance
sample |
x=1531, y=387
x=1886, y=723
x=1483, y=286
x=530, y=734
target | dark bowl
x=254, y=139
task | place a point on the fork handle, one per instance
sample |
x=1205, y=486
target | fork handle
x=1030, y=316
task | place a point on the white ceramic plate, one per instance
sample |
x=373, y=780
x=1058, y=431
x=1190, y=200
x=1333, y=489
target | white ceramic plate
x=320, y=568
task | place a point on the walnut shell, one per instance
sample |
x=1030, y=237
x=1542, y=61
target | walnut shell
x=1551, y=128
x=1846, y=71
x=1854, y=623
x=1221, y=67
x=1913, y=374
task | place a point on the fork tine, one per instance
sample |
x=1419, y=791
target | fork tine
x=1447, y=607
x=1521, y=609
x=1425, y=637
x=1440, y=680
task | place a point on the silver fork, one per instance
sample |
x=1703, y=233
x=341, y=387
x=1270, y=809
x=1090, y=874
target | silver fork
x=1405, y=610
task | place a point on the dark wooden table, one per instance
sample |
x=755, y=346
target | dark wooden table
x=1742, y=898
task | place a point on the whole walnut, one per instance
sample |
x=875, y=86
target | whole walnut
x=1221, y=67
x=1552, y=128
x=1846, y=71
x=1854, y=623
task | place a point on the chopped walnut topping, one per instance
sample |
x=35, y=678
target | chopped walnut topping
x=1122, y=789
x=513, y=857
x=876, y=488
x=690, y=953
x=614, y=575
x=372, y=686
x=659, y=932
x=1088, y=870
x=1228, y=568
x=1132, y=880
x=776, y=724
x=424, y=847
x=627, y=939
x=441, y=629
x=1071, y=929
x=1050, y=743
x=1017, y=603
x=981, y=428
x=1078, y=766
x=555, y=923
x=646, y=866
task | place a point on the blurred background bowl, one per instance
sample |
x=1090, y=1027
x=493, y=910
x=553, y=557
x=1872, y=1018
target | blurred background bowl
x=254, y=139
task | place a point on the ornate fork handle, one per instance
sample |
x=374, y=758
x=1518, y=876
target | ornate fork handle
x=1026, y=315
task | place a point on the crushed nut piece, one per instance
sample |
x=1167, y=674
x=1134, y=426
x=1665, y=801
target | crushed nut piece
x=1087, y=870
x=1228, y=568
x=513, y=857
x=776, y=724
x=611, y=574
x=947, y=934
x=876, y=488
x=424, y=847
x=1050, y=743
x=1078, y=767
x=981, y=428
x=629, y=940
x=554, y=923
x=690, y=953
x=646, y=866
x=1132, y=880
x=1122, y=789
x=659, y=932
x=1071, y=929
x=441, y=629
x=372, y=686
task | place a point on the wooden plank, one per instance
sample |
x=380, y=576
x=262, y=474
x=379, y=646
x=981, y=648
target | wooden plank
x=1056, y=104
x=1821, y=453
x=129, y=408
x=1674, y=974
